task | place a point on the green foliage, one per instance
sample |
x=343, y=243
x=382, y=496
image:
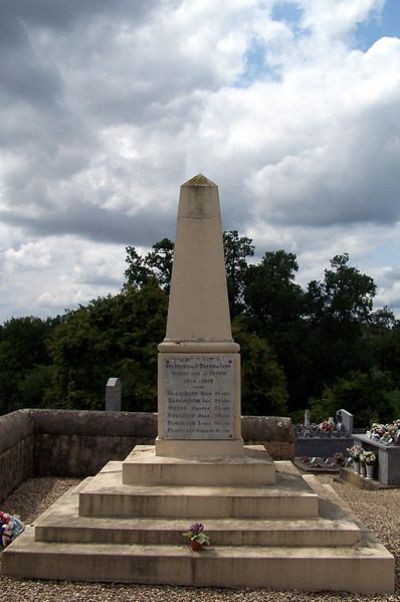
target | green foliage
x=137, y=273
x=345, y=295
x=384, y=348
x=112, y=336
x=272, y=297
x=22, y=351
x=368, y=396
x=34, y=386
x=236, y=251
x=322, y=346
x=156, y=266
x=160, y=259
x=264, y=391
x=339, y=310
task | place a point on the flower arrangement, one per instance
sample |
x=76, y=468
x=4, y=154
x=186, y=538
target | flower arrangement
x=10, y=527
x=368, y=457
x=196, y=534
x=385, y=433
x=327, y=426
x=355, y=452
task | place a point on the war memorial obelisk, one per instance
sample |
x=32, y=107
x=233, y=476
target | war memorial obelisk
x=199, y=363
x=269, y=525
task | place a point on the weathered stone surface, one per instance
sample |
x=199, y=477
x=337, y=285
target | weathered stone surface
x=120, y=424
x=258, y=429
x=201, y=403
x=78, y=443
x=76, y=455
x=14, y=427
x=280, y=450
x=16, y=450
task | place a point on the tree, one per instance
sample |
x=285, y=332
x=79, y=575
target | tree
x=274, y=310
x=346, y=295
x=264, y=391
x=23, y=348
x=339, y=310
x=112, y=336
x=382, y=321
x=137, y=272
x=272, y=297
x=384, y=349
x=236, y=251
x=156, y=265
x=160, y=259
x=368, y=396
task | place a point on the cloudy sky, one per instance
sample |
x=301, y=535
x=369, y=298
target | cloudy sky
x=106, y=106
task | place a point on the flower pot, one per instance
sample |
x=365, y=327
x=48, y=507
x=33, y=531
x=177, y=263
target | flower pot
x=370, y=471
x=363, y=472
x=356, y=466
x=196, y=546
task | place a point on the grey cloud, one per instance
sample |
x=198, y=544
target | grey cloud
x=353, y=180
x=97, y=224
x=98, y=280
x=60, y=14
x=393, y=274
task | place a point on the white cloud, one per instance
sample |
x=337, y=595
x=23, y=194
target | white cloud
x=110, y=106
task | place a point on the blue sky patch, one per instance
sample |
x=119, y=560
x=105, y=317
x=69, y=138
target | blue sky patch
x=256, y=66
x=378, y=26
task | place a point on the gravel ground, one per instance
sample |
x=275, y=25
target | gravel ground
x=378, y=510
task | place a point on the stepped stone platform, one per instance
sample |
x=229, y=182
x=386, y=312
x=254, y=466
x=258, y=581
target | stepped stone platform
x=289, y=533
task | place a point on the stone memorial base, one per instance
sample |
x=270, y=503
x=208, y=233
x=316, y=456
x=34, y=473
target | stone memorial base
x=268, y=525
x=183, y=448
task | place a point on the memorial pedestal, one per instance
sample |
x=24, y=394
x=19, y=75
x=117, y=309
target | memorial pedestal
x=199, y=404
x=290, y=534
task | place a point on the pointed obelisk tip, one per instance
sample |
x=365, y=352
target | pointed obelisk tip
x=199, y=180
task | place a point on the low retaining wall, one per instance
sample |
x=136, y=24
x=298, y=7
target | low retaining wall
x=17, y=440
x=78, y=443
x=74, y=443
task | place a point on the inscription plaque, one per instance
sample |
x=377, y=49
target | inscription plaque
x=198, y=396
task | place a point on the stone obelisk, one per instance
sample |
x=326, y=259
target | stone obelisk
x=199, y=363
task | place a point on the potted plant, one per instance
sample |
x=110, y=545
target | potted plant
x=363, y=471
x=197, y=537
x=369, y=459
x=355, y=452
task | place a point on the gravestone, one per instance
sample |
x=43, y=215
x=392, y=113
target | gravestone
x=346, y=420
x=199, y=363
x=113, y=395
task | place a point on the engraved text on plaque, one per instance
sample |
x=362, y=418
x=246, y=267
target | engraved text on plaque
x=198, y=396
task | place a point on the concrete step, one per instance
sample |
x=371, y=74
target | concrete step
x=62, y=523
x=254, y=467
x=365, y=568
x=105, y=495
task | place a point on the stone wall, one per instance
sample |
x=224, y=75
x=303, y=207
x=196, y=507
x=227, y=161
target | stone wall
x=78, y=443
x=274, y=432
x=16, y=450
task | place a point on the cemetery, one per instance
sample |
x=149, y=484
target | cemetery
x=195, y=472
